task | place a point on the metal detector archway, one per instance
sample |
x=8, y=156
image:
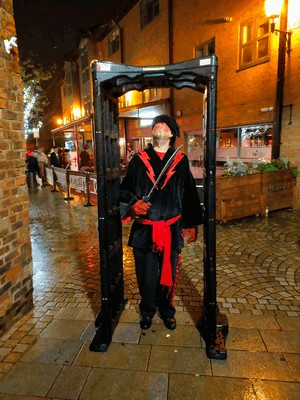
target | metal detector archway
x=110, y=81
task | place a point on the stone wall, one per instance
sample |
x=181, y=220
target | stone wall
x=15, y=247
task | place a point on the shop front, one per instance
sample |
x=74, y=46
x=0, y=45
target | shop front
x=72, y=138
x=251, y=144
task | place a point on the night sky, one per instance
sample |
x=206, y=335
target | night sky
x=51, y=28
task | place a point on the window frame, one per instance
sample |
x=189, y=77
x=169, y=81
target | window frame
x=258, y=31
x=149, y=10
x=203, y=48
x=114, y=41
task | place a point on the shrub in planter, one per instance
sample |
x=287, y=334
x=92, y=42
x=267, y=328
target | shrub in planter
x=277, y=165
x=236, y=167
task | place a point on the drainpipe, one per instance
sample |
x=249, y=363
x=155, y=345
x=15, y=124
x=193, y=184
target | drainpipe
x=171, y=55
x=280, y=83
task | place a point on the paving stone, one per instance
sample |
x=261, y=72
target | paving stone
x=198, y=387
x=253, y=365
x=120, y=356
x=125, y=385
x=293, y=361
x=61, y=329
x=281, y=341
x=289, y=323
x=33, y=381
x=69, y=383
x=181, y=360
x=127, y=333
x=277, y=390
x=253, y=322
x=186, y=336
x=244, y=339
x=53, y=351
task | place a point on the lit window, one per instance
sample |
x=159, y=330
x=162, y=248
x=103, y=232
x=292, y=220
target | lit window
x=254, y=42
x=150, y=95
x=250, y=143
x=149, y=10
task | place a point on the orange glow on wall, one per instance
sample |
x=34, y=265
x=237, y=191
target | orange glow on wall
x=76, y=112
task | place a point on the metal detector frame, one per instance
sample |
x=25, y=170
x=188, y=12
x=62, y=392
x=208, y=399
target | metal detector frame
x=110, y=81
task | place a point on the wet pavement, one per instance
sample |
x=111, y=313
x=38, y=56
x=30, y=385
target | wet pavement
x=46, y=354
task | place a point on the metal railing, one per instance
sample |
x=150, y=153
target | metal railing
x=82, y=182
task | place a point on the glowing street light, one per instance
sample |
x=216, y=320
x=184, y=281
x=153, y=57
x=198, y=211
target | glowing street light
x=273, y=8
x=278, y=9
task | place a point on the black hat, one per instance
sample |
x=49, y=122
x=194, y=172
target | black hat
x=172, y=124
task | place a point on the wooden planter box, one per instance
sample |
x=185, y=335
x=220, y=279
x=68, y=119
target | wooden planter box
x=243, y=196
x=238, y=196
x=279, y=190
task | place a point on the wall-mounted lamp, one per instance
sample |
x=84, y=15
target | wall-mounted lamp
x=273, y=10
x=218, y=20
x=266, y=109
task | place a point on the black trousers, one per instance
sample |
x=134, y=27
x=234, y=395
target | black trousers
x=153, y=295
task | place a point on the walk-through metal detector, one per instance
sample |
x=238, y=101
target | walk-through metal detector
x=110, y=81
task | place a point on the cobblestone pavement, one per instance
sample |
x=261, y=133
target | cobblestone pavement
x=258, y=274
x=258, y=259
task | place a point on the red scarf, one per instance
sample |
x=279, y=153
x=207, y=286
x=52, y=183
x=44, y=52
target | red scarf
x=161, y=238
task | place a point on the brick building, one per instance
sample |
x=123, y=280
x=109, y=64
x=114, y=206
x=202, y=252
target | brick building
x=15, y=248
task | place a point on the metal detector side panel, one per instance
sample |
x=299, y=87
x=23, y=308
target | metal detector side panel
x=109, y=222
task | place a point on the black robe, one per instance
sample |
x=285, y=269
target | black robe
x=178, y=196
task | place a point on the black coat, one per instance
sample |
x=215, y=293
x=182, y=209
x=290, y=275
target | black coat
x=178, y=196
x=54, y=159
x=32, y=165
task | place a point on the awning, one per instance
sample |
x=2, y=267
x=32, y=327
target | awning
x=79, y=123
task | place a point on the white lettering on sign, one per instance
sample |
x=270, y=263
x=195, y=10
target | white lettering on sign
x=154, y=68
x=78, y=183
x=104, y=67
x=61, y=178
x=205, y=61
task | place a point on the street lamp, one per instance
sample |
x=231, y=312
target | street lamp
x=274, y=10
x=284, y=46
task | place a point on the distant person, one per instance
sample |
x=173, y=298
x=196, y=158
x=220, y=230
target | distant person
x=32, y=169
x=85, y=158
x=66, y=158
x=54, y=160
x=42, y=161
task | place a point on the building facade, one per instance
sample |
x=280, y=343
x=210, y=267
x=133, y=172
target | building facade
x=157, y=32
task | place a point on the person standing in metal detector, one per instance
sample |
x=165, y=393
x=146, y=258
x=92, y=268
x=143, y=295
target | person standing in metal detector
x=163, y=202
